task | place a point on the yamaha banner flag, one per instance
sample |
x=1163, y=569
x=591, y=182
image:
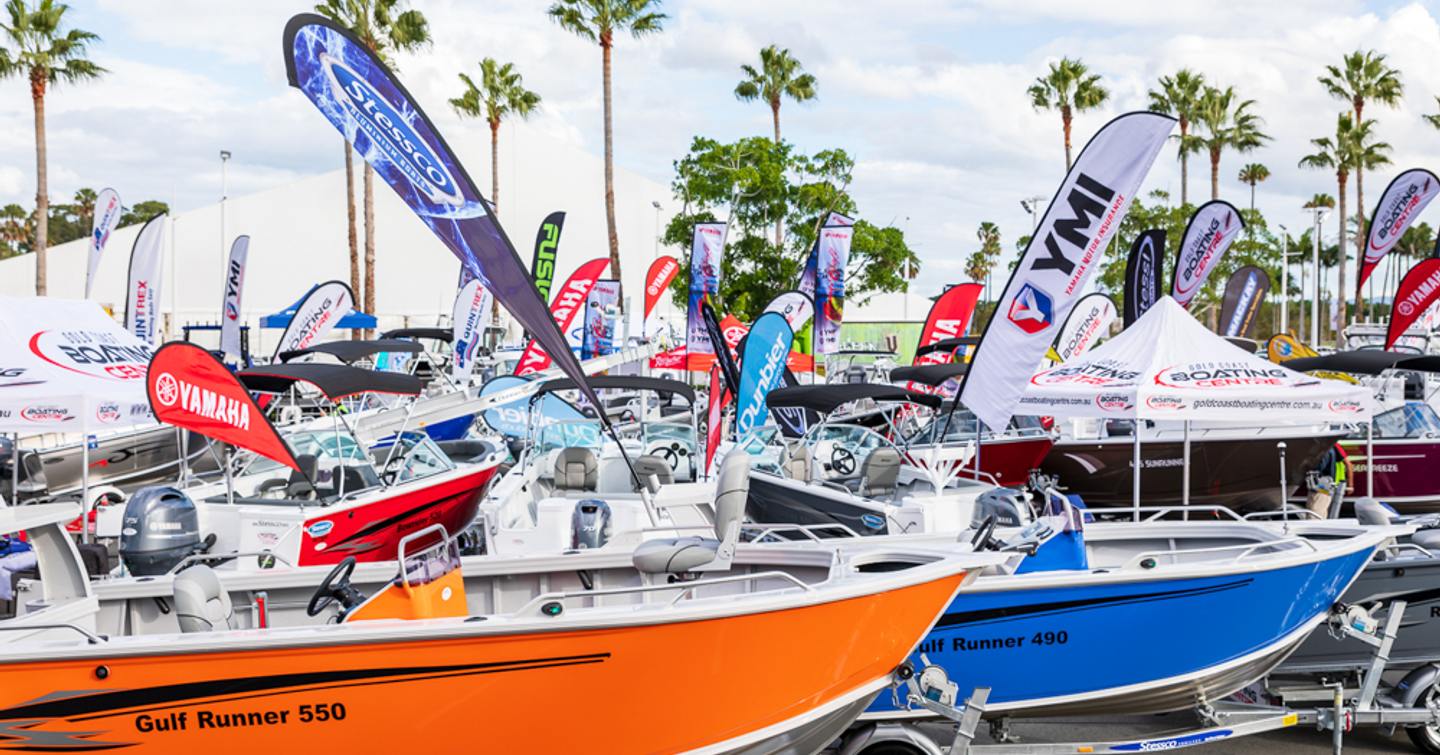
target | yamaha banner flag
x=568, y=304
x=1418, y=290
x=601, y=310
x=142, y=297
x=105, y=218
x=949, y=317
x=1211, y=230
x=657, y=279
x=318, y=312
x=1403, y=201
x=834, y=255
x=1060, y=260
x=467, y=318
x=1088, y=322
x=354, y=90
x=1144, y=270
x=547, y=243
x=234, y=285
x=762, y=368
x=1244, y=295
x=707, y=252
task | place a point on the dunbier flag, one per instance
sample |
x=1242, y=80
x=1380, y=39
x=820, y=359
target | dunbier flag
x=142, y=292
x=1403, y=201
x=762, y=368
x=105, y=217
x=1144, y=270
x=1244, y=295
x=1207, y=237
x=1419, y=289
x=234, y=286
x=1060, y=260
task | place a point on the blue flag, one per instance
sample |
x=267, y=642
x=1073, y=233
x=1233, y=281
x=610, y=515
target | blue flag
x=762, y=367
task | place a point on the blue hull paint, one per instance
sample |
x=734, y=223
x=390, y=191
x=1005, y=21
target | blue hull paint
x=1084, y=639
x=450, y=429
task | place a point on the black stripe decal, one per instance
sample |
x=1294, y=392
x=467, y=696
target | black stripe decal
x=1012, y=612
x=374, y=527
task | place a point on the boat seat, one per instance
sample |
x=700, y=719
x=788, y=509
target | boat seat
x=576, y=468
x=1370, y=511
x=797, y=467
x=1427, y=539
x=880, y=474
x=298, y=485
x=650, y=464
x=354, y=478
x=680, y=554
x=201, y=602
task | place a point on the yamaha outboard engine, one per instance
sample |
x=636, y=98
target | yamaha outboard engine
x=1007, y=505
x=161, y=528
x=590, y=524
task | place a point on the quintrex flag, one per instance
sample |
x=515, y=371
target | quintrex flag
x=833, y=256
x=762, y=368
x=1144, y=270
x=104, y=219
x=234, y=285
x=467, y=318
x=547, y=242
x=657, y=279
x=315, y=316
x=600, y=315
x=1211, y=230
x=1244, y=295
x=189, y=388
x=142, y=292
x=1418, y=290
x=949, y=317
x=1403, y=201
x=368, y=105
x=1060, y=260
x=707, y=252
x=1089, y=321
x=569, y=301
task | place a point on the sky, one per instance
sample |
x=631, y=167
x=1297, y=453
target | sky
x=928, y=96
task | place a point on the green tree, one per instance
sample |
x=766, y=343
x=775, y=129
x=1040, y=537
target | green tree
x=1338, y=154
x=140, y=212
x=1361, y=77
x=1070, y=88
x=1179, y=95
x=780, y=75
x=988, y=234
x=39, y=47
x=1434, y=120
x=1228, y=123
x=16, y=228
x=1367, y=154
x=598, y=21
x=501, y=93
x=1251, y=175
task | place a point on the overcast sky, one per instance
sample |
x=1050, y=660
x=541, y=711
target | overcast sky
x=928, y=96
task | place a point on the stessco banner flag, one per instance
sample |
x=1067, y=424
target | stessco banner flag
x=234, y=286
x=1144, y=269
x=1418, y=290
x=142, y=291
x=601, y=307
x=1244, y=295
x=1088, y=322
x=103, y=221
x=657, y=279
x=189, y=388
x=949, y=317
x=569, y=302
x=547, y=242
x=467, y=318
x=834, y=255
x=1060, y=260
x=1206, y=240
x=762, y=367
x=318, y=312
x=365, y=102
x=1403, y=201
x=707, y=252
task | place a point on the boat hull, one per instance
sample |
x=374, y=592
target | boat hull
x=1414, y=580
x=1405, y=474
x=1008, y=461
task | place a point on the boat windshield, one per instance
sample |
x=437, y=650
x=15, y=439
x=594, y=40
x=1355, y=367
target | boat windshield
x=1416, y=419
x=676, y=443
x=766, y=447
x=962, y=428
x=840, y=450
x=572, y=433
x=417, y=457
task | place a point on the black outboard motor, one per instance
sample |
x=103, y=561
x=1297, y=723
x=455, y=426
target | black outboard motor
x=1007, y=505
x=590, y=525
x=161, y=528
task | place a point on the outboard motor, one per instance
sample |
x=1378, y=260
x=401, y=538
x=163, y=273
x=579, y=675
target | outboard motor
x=161, y=528
x=1007, y=505
x=590, y=525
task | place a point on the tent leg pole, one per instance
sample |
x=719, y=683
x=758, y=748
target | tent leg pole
x=1185, y=473
x=15, y=470
x=84, y=487
x=1135, y=493
x=1370, y=458
x=977, y=449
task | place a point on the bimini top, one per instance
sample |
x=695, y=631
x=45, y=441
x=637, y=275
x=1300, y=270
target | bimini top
x=830, y=396
x=438, y=334
x=1362, y=362
x=947, y=344
x=351, y=351
x=336, y=381
x=622, y=382
x=928, y=374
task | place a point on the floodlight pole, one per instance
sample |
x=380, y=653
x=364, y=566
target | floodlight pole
x=1284, y=279
x=1320, y=214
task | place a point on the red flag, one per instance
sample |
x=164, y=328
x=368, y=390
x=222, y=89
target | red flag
x=719, y=397
x=661, y=272
x=569, y=301
x=1418, y=290
x=673, y=359
x=948, y=318
x=190, y=388
x=734, y=331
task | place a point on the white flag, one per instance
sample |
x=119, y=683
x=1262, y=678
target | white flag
x=316, y=315
x=103, y=221
x=230, y=305
x=1208, y=236
x=142, y=298
x=1088, y=323
x=471, y=310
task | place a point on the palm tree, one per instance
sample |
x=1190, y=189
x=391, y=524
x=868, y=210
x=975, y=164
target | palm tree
x=1253, y=174
x=1434, y=120
x=14, y=228
x=780, y=76
x=1070, y=88
x=597, y=21
x=501, y=93
x=84, y=207
x=36, y=47
x=988, y=234
x=1367, y=154
x=1228, y=123
x=1179, y=95
x=384, y=28
x=1361, y=77
x=1337, y=154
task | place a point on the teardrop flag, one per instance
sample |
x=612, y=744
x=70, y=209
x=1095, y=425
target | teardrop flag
x=1418, y=290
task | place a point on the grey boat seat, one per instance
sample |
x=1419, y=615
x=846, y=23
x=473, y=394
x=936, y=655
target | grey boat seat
x=298, y=485
x=879, y=474
x=797, y=467
x=680, y=554
x=650, y=464
x=201, y=602
x=576, y=468
x=1427, y=539
x=1370, y=511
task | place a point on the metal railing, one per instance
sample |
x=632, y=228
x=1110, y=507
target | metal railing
x=683, y=588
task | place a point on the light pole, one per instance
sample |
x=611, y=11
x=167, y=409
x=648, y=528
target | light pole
x=224, y=160
x=1320, y=213
x=1032, y=206
x=656, y=205
x=1284, y=278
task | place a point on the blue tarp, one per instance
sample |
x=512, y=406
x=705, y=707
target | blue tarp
x=354, y=319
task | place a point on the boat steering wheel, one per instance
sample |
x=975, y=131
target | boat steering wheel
x=336, y=588
x=984, y=539
x=842, y=460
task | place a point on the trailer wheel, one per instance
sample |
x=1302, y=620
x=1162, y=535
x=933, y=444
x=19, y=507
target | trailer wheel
x=892, y=748
x=1426, y=738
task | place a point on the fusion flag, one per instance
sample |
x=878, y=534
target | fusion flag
x=707, y=252
x=142, y=292
x=1244, y=295
x=834, y=254
x=1207, y=237
x=1403, y=201
x=1144, y=270
x=467, y=318
x=762, y=368
x=315, y=316
x=103, y=221
x=547, y=243
x=1088, y=322
x=1418, y=290
x=230, y=306
x=601, y=307
x=1059, y=261
x=569, y=301
x=949, y=317
x=657, y=279
x=369, y=106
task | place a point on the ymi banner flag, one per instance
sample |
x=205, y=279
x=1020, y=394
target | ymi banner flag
x=834, y=254
x=1060, y=260
x=142, y=297
x=569, y=302
x=707, y=252
x=601, y=310
x=1244, y=295
x=1207, y=237
x=104, y=220
x=812, y=264
x=467, y=318
x=230, y=306
x=364, y=101
x=1088, y=322
x=1418, y=290
x=318, y=312
x=795, y=305
x=1403, y=201
x=657, y=279
x=762, y=369
x=547, y=243
x=949, y=317
x=1144, y=270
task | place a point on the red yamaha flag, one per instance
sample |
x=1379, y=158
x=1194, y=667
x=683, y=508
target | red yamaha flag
x=1418, y=290
x=657, y=279
x=949, y=317
x=569, y=301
